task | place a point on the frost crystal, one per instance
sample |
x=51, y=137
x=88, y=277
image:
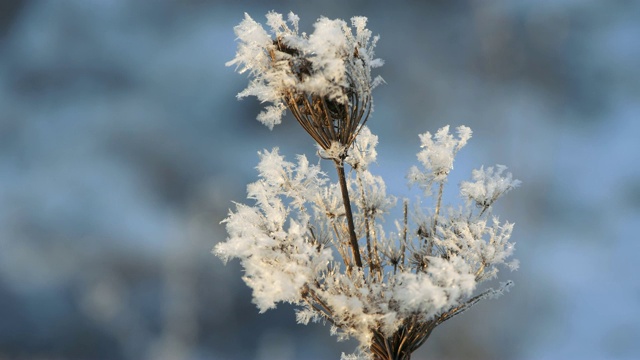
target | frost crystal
x=437, y=156
x=488, y=185
x=321, y=245
x=324, y=79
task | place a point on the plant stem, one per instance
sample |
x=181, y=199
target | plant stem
x=369, y=224
x=405, y=230
x=347, y=209
x=437, y=214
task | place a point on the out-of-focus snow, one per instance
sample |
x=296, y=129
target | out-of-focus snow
x=122, y=146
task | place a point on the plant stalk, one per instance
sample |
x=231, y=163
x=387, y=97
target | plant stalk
x=348, y=212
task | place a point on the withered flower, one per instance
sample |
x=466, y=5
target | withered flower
x=388, y=290
x=324, y=79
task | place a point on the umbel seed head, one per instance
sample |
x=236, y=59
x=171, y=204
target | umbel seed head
x=324, y=79
x=328, y=119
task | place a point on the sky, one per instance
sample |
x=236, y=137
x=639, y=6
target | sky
x=123, y=146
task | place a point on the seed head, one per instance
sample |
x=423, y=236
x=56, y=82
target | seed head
x=324, y=79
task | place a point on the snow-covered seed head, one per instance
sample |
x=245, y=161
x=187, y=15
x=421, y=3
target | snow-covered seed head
x=324, y=79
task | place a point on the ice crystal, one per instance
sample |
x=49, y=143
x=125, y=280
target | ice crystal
x=322, y=245
x=323, y=78
x=422, y=274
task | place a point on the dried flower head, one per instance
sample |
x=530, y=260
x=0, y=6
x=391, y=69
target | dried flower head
x=321, y=245
x=324, y=79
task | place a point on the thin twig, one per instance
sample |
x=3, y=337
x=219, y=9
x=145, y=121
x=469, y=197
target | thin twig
x=438, y=204
x=348, y=212
x=404, y=231
x=365, y=212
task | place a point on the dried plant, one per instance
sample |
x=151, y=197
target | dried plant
x=389, y=290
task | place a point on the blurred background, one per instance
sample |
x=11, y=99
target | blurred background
x=122, y=147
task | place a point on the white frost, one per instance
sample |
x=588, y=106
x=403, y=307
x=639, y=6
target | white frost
x=338, y=59
x=437, y=156
x=287, y=242
x=294, y=241
x=488, y=185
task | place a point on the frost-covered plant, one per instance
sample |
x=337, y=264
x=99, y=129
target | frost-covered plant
x=320, y=245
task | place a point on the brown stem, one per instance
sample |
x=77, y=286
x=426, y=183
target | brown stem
x=405, y=230
x=369, y=221
x=347, y=209
x=392, y=348
x=437, y=214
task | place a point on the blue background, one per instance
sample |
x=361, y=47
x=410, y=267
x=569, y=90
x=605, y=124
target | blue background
x=122, y=147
